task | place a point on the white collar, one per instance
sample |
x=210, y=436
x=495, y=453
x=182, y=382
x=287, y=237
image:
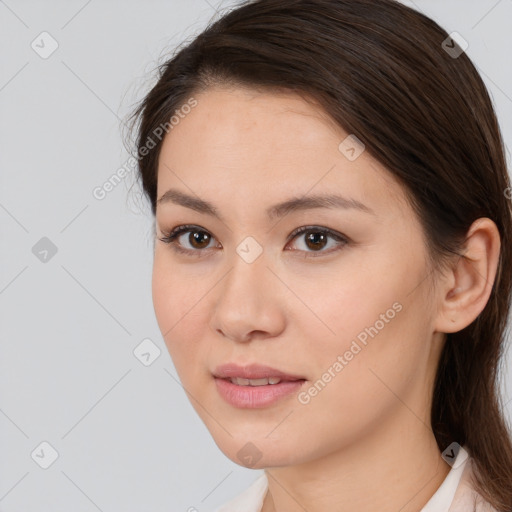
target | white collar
x=443, y=497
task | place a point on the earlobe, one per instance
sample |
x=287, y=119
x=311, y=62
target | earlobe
x=469, y=283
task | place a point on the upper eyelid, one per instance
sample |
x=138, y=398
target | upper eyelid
x=182, y=229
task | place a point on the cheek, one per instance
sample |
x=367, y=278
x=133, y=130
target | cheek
x=357, y=385
x=342, y=301
x=369, y=318
x=165, y=302
x=178, y=310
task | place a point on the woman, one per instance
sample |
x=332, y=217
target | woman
x=333, y=264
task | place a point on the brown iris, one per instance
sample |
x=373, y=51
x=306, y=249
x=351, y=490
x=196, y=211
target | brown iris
x=198, y=238
x=316, y=239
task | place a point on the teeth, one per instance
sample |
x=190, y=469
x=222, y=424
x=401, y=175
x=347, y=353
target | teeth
x=254, y=382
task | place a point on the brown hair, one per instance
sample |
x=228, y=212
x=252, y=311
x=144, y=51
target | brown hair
x=380, y=70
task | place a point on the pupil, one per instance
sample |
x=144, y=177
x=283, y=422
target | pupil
x=197, y=238
x=314, y=237
x=315, y=240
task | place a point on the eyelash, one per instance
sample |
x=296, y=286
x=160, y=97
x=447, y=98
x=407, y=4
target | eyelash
x=170, y=237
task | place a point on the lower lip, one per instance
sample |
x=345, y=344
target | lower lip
x=255, y=397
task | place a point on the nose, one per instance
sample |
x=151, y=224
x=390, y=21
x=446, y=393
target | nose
x=249, y=302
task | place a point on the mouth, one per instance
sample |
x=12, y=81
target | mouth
x=254, y=374
x=272, y=381
x=254, y=386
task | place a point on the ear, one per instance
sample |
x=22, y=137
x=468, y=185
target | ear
x=466, y=288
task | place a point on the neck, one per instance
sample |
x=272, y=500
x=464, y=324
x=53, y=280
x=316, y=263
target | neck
x=400, y=469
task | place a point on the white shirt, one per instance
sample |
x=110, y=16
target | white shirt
x=455, y=494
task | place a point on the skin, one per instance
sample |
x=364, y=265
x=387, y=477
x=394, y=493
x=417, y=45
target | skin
x=364, y=442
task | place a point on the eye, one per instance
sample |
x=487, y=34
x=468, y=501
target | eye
x=317, y=238
x=199, y=239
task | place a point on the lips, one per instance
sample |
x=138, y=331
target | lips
x=255, y=386
x=253, y=372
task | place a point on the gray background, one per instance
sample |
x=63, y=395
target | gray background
x=126, y=436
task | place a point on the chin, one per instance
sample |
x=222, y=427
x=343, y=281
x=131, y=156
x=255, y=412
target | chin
x=260, y=453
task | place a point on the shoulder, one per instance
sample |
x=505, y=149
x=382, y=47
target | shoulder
x=467, y=498
x=249, y=500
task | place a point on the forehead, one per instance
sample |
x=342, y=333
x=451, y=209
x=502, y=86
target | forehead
x=266, y=145
x=242, y=117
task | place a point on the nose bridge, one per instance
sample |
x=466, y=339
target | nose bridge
x=246, y=300
x=248, y=272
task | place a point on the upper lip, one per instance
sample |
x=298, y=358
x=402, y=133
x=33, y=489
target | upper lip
x=252, y=371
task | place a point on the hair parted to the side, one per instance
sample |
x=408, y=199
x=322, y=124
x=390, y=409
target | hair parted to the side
x=379, y=70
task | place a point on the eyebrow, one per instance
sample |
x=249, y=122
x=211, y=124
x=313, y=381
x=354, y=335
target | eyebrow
x=278, y=210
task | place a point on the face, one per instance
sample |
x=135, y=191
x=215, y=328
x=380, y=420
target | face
x=341, y=306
